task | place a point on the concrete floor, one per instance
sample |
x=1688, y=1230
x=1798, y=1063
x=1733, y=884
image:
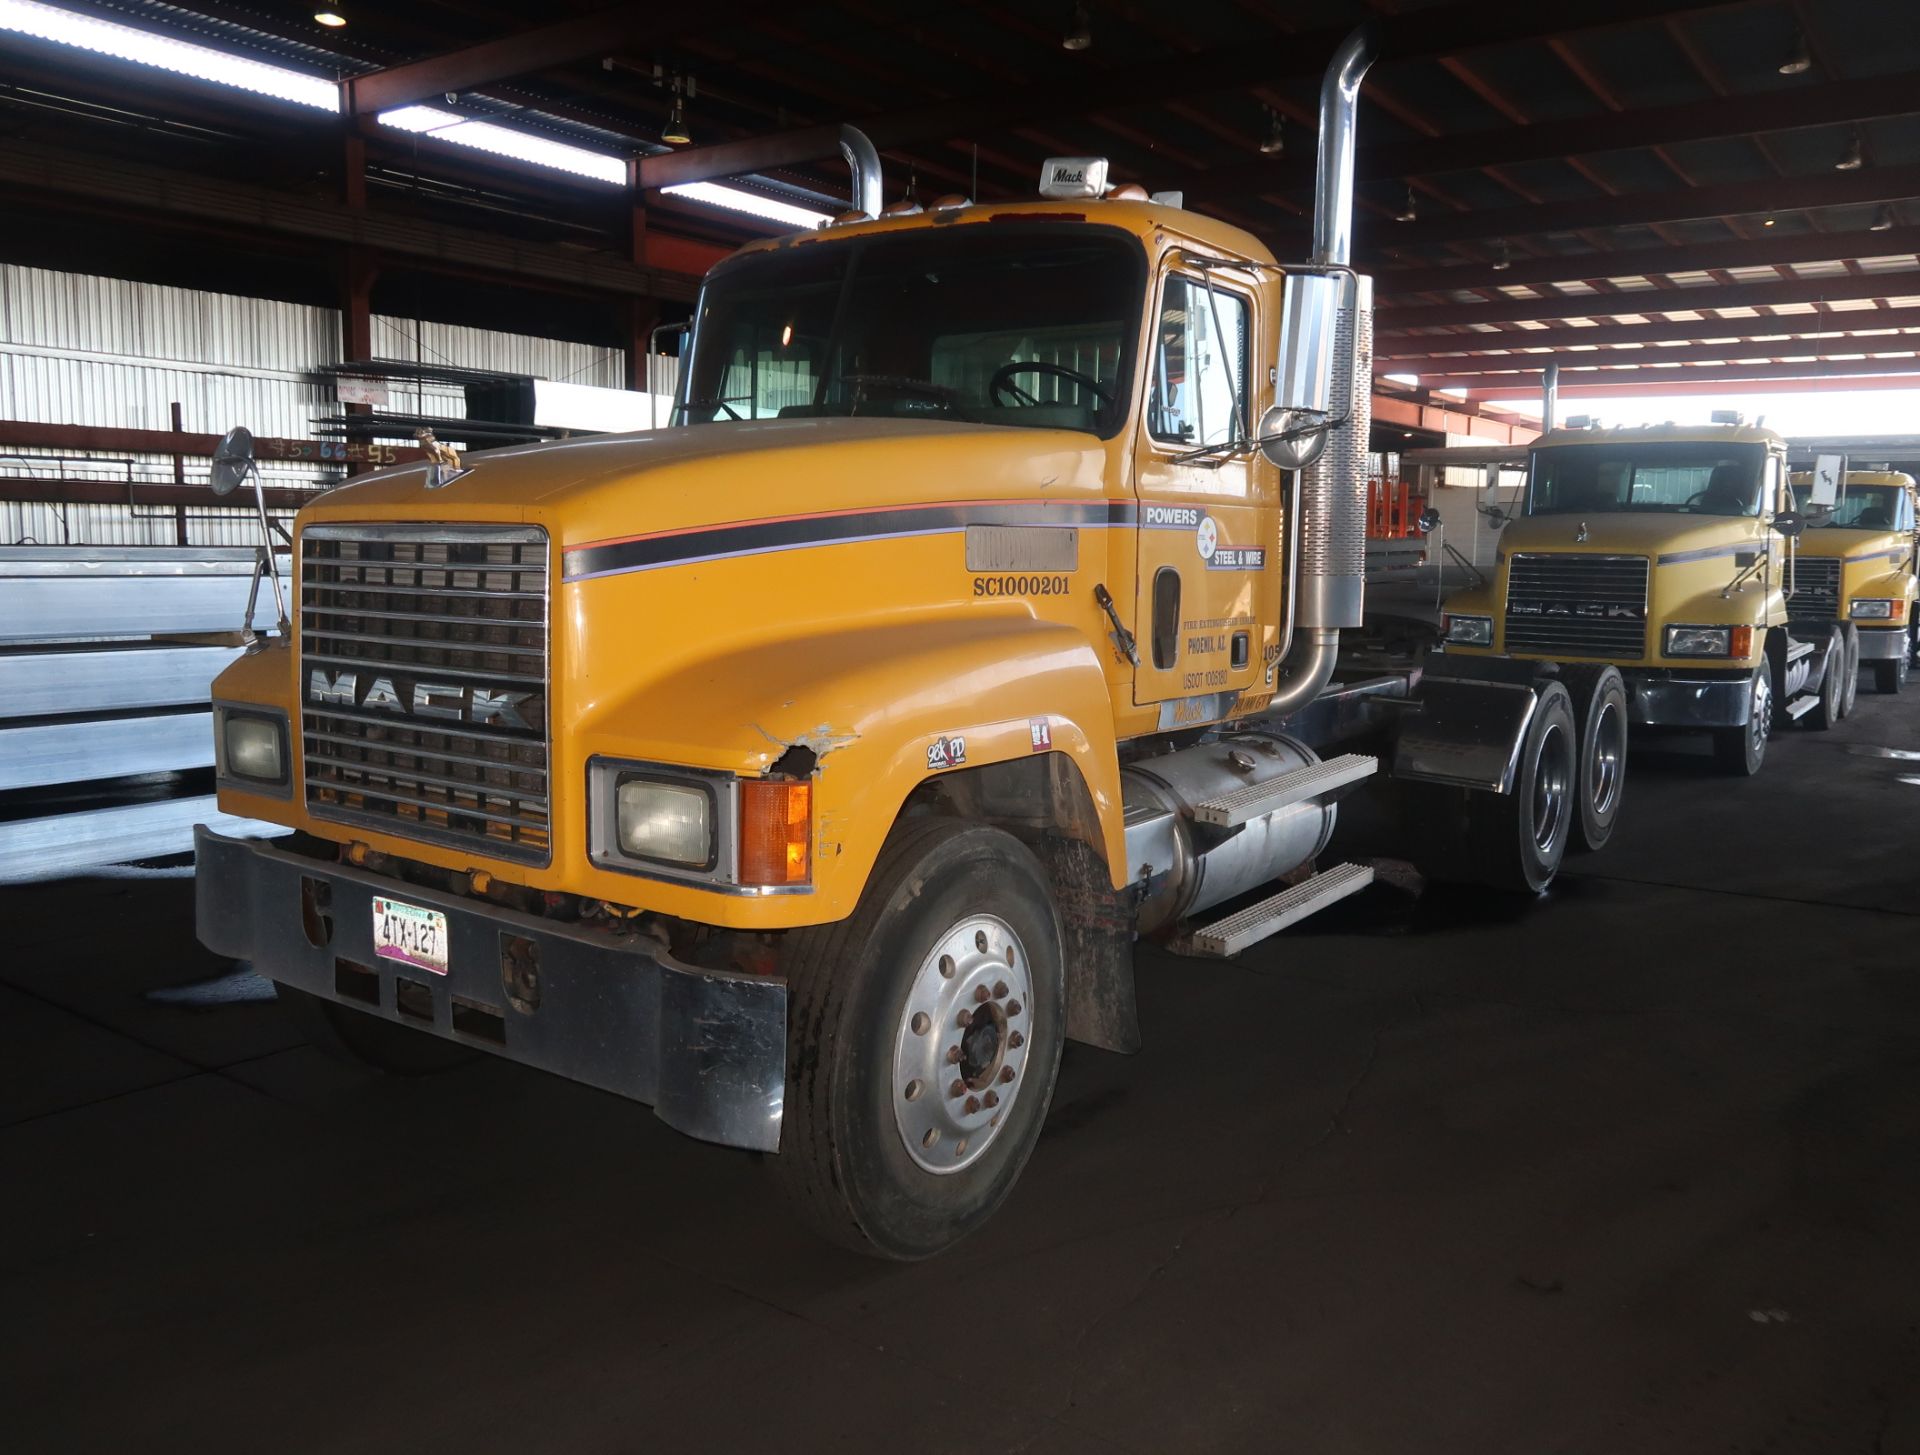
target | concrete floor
x=1635, y=1168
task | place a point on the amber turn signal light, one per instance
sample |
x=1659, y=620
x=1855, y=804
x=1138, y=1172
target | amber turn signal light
x=776, y=832
x=1740, y=642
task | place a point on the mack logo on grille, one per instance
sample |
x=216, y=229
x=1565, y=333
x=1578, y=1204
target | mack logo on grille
x=1590, y=610
x=446, y=701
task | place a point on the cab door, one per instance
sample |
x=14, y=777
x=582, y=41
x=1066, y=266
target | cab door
x=1207, y=524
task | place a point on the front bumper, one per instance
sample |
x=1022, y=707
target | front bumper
x=706, y=1049
x=1688, y=700
x=1882, y=643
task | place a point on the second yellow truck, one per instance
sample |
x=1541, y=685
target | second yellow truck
x=1855, y=569
x=1667, y=553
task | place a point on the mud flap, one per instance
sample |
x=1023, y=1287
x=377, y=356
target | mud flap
x=1096, y=937
x=1464, y=733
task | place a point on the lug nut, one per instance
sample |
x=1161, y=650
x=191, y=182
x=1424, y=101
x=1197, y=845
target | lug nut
x=1015, y=1041
x=992, y=1098
x=999, y=990
x=981, y=994
x=958, y=1089
x=953, y=1055
x=973, y=1105
x=964, y=1019
x=1006, y=1075
x=1013, y=1007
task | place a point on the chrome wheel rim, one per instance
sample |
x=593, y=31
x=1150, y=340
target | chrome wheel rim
x=1760, y=722
x=960, y=1052
x=1605, y=755
x=1551, y=774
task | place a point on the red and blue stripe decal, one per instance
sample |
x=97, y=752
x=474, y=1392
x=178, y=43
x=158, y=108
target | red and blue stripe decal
x=693, y=544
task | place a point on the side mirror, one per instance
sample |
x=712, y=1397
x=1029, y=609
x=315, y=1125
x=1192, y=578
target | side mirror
x=1497, y=518
x=232, y=463
x=1428, y=522
x=1789, y=523
x=1294, y=431
x=232, y=459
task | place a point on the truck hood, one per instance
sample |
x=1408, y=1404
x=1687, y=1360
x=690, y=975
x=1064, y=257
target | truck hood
x=1829, y=541
x=1652, y=533
x=672, y=479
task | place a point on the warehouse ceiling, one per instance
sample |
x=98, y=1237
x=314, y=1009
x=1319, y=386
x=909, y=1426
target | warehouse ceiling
x=1665, y=198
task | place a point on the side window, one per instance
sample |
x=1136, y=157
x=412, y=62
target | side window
x=1777, y=492
x=1199, y=369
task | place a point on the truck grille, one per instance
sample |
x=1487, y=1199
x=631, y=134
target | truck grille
x=1816, y=589
x=423, y=683
x=1577, y=605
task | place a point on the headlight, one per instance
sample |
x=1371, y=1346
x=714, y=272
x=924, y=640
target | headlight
x=1873, y=608
x=1700, y=641
x=670, y=823
x=1470, y=631
x=253, y=747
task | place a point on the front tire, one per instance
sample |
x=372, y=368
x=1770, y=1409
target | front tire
x=923, y=1039
x=1889, y=677
x=1515, y=841
x=1741, y=750
x=1600, y=709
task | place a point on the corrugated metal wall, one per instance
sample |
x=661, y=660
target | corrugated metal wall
x=77, y=349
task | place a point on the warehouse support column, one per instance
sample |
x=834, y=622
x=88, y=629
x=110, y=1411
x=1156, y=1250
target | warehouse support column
x=358, y=272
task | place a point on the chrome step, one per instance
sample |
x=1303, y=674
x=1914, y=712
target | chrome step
x=1801, y=706
x=1238, y=805
x=1271, y=915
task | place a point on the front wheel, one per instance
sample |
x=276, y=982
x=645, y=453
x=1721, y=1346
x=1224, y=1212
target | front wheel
x=923, y=1039
x=1741, y=750
x=1890, y=676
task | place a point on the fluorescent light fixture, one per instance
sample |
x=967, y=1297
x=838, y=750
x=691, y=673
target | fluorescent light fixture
x=203, y=63
x=502, y=141
x=735, y=199
x=150, y=48
x=1412, y=381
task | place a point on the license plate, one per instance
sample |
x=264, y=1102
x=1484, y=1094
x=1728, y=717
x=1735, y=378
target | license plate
x=410, y=934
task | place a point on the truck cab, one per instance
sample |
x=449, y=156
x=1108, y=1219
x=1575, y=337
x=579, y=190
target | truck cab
x=1855, y=569
x=807, y=770
x=1666, y=552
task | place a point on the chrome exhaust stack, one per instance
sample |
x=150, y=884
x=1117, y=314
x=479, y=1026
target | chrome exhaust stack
x=863, y=159
x=1322, y=415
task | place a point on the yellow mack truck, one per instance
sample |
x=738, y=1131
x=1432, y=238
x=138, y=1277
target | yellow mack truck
x=1664, y=552
x=807, y=770
x=1855, y=568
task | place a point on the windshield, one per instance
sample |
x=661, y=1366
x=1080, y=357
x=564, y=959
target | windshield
x=1861, y=507
x=1630, y=476
x=993, y=324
